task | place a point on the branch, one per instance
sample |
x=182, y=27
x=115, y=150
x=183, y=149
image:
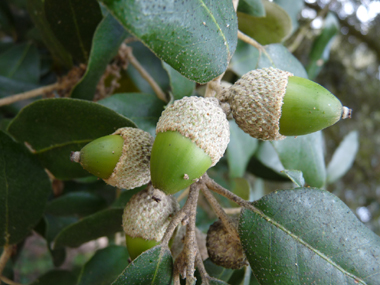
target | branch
x=7, y=252
x=29, y=94
x=249, y=40
x=8, y=281
x=156, y=88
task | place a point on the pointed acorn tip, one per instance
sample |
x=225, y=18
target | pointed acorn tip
x=346, y=113
x=75, y=156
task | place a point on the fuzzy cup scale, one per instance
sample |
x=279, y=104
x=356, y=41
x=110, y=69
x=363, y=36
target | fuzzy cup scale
x=270, y=104
x=120, y=159
x=223, y=248
x=146, y=218
x=192, y=135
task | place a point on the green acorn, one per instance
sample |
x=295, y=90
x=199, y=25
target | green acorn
x=146, y=218
x=223, y=248
x=192, y=135
x=270, y=103
x=120, y=159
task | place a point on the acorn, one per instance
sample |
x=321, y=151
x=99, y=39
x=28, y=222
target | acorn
x=224, y=249
x=120, y=159
x=146, y=218
x=192, y=135
x=270, y=104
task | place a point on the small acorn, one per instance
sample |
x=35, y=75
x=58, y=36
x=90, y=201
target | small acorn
x=223, y=248
x=120, y=159
x=192, y=135
x=270, y=104
x=146, y=218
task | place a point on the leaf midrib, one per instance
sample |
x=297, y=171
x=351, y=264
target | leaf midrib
x=304, y=243
x=62, y=145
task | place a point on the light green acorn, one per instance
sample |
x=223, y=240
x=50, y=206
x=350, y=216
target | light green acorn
x=146, y=218
x=192, y=135
x=120, y=159
x=270, y=104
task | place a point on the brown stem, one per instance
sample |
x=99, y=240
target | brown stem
x=29, y=94
x=190, y=239
x=220, y=212
x=202, y=269
x=8, y=281
x=249, y=40
x=156, y=88
x=7, y=252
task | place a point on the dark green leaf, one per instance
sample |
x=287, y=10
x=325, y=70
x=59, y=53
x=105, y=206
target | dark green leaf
x=107, y=39
x=10, y=86
x=311, y=237
x=151, y=267
x=55, y=127
x=125, y=196
x=73, y=22
x=320, y=50
x=248, y=58
x=150, y=62
x=240, y=149
x=256, y=167
x=180, y=86
x=296, y=176
x=343, y=157
x=56, y=277
x=275, y=27
x=100, y=224
x=76, y=203
x=104, y=266
x=252, y=7
x=293, y=8
x=304, y=153
x=24, y=188
x=216, y=271
x=21, y=63
x=196, y=39
x=37, y=13
x=143, y=109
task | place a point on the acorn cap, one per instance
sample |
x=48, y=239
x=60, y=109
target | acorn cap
x=223, y=248
x=256, y=101
x=148, y=214
x=202, y=120
x=270, y=104
x=192, y=135
x=132, y=170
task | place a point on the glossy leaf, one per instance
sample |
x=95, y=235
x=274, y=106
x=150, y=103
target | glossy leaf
x=320, y=50
x=296, y=176
x=311, y=237
x=248, y=58
x=252, y=7
x=104, y=266
x=151, y=267
x=107, y=39
x=75, y=20
x=180, y=86
x=36, y=11
x=204, y=39
x=21, y=63
x=55, y=127
x=56, y=277
x=239, y=150
x=275, y=27
x=24, y=188
x=304, y=153
x=149, y=61
x=143, y=109
x=76, y=203
x=343, y=157
x=293, y=8
x=100, y=224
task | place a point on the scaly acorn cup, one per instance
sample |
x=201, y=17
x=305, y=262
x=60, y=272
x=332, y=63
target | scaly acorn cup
x=192, y=135
x=270, y=104
x=146, y=218
x=120, y=159
x=223, y=248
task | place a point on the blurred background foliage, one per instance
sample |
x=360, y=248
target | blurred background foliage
x=337, y=41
